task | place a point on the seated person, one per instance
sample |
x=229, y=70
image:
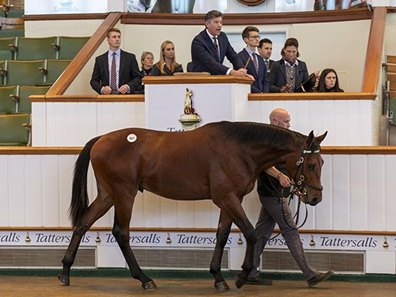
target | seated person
x=190, y=67
x=146, y=60
x=328, y=81
x=290, y=74
x=167, y=64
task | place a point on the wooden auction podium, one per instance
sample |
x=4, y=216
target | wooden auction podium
x=215, y=98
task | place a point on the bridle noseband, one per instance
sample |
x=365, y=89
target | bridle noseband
x=301, y=185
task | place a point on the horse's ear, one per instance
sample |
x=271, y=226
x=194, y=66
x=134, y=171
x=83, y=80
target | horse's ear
x=310, y=139
x=320, y=138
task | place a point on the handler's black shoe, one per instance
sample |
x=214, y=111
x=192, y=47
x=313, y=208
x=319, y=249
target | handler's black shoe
x=258, y=282
x=318, y=278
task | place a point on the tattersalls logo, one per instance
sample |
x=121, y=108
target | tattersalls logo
x=347, y=242
x=189, y=119
x=9, y=237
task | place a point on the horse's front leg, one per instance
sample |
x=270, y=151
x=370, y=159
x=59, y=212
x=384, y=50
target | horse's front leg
x=232, y=207
x=122, y=218
x=223, y=231
x=97, y=209
x=247, y=265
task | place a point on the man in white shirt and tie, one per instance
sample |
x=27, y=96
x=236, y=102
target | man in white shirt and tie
x=207, y=57
x=265, y=50
x=116, y=71
x=252, y=62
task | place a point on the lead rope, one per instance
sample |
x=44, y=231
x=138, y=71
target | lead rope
x=296, y=215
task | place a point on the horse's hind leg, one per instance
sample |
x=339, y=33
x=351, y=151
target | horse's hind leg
x=123, y=212
x=223, y=231
x=96, y=210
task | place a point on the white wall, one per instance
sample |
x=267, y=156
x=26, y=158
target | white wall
x=390, y=32
x=358, y=195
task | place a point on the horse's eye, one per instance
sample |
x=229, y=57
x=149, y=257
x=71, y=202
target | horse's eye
x=311, y=167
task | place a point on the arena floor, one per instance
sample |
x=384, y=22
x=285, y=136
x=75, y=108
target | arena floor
x=115, y=287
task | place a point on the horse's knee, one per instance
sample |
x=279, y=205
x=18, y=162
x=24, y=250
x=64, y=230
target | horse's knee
x=221, y=240
x=120, y=235
x=251, y=237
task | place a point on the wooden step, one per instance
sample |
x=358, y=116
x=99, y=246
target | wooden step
x=390, y=68
x=391, y=77
x=392, y=95
x=391, y=59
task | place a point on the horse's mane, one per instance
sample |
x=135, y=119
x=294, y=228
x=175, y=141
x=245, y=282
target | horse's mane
x=251, y=132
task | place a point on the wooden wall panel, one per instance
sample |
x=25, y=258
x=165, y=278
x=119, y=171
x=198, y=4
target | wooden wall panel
x=358, y=187
x=33, y=188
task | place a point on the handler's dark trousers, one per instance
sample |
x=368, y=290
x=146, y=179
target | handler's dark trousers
x=271, y=213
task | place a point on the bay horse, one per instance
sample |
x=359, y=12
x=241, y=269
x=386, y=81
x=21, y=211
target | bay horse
x=219, y=161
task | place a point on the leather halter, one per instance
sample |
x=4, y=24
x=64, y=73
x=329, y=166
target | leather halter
x=300, y=190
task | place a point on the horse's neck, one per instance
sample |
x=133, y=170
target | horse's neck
x=272, y=153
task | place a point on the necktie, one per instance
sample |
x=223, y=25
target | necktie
x=255, y=62
x=113, y=75
x=267, y=65
x=217, y=47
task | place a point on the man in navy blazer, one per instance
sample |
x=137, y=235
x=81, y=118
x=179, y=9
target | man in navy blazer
x=253, y=63
x=265, y=50
x=128, y=78
x=211, y=46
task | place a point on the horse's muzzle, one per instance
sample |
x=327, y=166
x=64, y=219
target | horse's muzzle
x=314, y=201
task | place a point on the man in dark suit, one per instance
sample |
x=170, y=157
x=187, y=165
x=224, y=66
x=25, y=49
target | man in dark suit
x=211, y=46
x=265, y=50
x=290, y=74
x=253, y=63
x=116, y=71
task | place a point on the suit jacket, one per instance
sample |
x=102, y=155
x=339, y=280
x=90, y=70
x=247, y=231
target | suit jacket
x=204, y=54
x=157, y=72
x=260, y=85
x=277, y=77
x=129, y=72
x=270, y=63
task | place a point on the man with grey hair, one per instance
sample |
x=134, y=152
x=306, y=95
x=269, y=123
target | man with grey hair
x=211, y=46
x=273, y=187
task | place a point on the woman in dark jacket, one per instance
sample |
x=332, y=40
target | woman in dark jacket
x=167, y=64
x=328, y=81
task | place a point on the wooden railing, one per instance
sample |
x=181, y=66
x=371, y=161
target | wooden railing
x=372, y=66
x=311, y=96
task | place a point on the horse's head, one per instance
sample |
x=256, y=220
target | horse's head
x=307, y=170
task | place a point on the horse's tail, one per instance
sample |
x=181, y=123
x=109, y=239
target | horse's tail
x=79, y=201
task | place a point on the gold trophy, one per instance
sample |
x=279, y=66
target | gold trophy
x=190, y=118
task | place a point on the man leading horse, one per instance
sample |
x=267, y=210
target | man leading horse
x=273, y=187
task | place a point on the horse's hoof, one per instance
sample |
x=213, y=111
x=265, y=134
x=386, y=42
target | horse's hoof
x=241, y=280
x=222, y=286
x=65, y=279
x=149, y=285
